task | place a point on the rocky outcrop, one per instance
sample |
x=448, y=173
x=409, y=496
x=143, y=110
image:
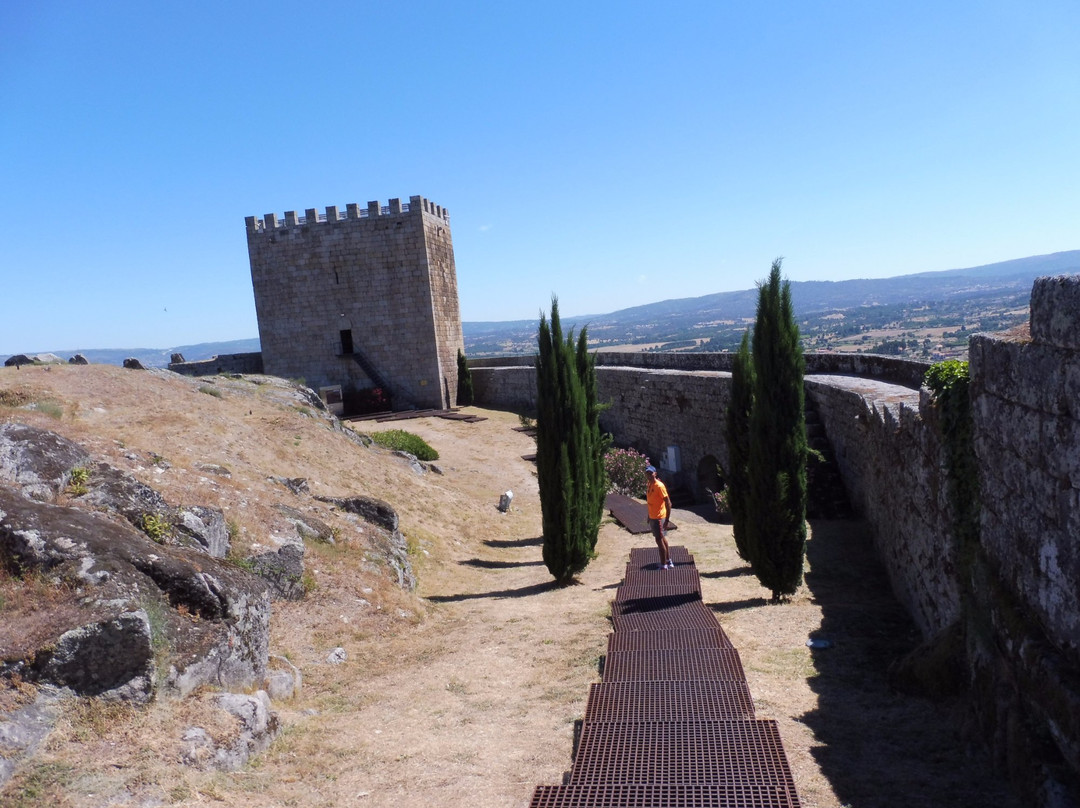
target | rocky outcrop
x=256, y=726
x=36, y=461
x=147, y=613
x=387, y=538
x=151, y=608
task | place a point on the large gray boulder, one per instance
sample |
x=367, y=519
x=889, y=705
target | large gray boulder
x=36, y=461
x=143, y=612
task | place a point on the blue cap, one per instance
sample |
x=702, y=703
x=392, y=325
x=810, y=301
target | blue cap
x=651, y=469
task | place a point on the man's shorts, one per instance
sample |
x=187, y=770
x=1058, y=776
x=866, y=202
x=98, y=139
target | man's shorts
x=657, y=527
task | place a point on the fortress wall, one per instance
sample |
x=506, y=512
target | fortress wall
x=512, y=387
x=225, y=363
x=654, y=409
x=1026, y=406
x=893, y=369
x=1024, y=632
x=887, y=446
x=1018, y=599
x=446, y=311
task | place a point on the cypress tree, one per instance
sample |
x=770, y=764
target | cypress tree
x=569, y=449
x=738, y=443
x=464, y=381
x=778, y=448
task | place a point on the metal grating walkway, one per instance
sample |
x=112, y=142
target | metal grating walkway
x=690, y=752
x=743, y=795
x=663, y=640
x=681, y=665
x=672, y=723
x=669, y=701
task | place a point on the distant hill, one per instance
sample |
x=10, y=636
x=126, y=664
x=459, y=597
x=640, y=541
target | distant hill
x=716, y=322
x=156, y=357
x=977, y=298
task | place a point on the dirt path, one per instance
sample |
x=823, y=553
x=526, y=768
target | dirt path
x=466, y=693
x=476, y=705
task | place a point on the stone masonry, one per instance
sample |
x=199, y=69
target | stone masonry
x=363, y=298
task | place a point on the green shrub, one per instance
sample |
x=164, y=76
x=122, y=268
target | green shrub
x=77, y=481
x=625, y=470
x=211, y=391
x=154, y=526
x=402, y=441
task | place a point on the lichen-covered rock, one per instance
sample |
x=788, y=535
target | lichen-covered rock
x=298, y=485
x=204, y=528
x=256, y=726
x=307, y=526
x=110, y=489
x=387, y=539
x=112, y=658
x=283, y=570
x=37, y=461
x=209, y=618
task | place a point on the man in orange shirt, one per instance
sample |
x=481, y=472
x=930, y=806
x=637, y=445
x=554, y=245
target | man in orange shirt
x=659, y=514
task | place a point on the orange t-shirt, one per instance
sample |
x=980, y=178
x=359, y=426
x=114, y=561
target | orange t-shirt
x=656, y=495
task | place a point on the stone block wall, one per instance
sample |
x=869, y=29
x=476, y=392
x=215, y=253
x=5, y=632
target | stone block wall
x=651, y=410
x=384, y=276
x=1024, y=637
x=225, y=363
x=511, y=387
x=887, y=444
x=1026, y=406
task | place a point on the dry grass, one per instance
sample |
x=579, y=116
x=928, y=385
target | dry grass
x=465, y=693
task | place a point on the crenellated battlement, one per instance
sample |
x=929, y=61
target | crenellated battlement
x=395, y=207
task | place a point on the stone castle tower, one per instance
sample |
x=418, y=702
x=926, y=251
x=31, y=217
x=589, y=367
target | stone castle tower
x=360, y=300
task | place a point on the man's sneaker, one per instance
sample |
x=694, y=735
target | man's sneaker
x=670, y=564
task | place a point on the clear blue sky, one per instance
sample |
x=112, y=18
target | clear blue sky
x=613, y=153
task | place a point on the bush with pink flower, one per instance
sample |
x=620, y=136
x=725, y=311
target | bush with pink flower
x=626, y=472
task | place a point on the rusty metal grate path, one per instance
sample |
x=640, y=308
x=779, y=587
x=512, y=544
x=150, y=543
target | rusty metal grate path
x=669, y=701
x=672, y=723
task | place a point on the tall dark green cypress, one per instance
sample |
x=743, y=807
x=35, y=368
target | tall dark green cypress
x=738, y=443
x=464, y=381
x=778, y=448
x=569, y=449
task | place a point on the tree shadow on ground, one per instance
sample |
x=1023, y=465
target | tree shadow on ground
x=483, y=563
x=507, y=543
x=737, y=572
x=521, y=592
x=735, y=605
x=879, y=748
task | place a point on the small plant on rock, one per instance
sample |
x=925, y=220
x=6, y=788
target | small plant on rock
x=77, y=481
x=155, y=526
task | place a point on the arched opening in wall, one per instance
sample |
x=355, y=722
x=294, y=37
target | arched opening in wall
x=709, y=478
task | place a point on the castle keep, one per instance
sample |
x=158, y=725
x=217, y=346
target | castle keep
x=361, y=299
